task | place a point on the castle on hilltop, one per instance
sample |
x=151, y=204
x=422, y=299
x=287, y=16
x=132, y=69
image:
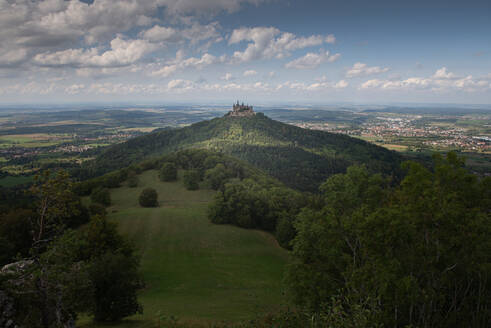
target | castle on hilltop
x=241, y=110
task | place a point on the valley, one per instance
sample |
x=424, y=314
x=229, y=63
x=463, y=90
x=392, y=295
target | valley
x=32, y=140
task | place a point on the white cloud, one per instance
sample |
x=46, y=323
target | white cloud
x=270, y=42
x=311, y=87
x=442, y=81
x=180, y=63
x=122, y=52
x=180, y=85
x=361, y=69
x=443, y=74
x=161, y=33
x=227, y=77
x=208, y=7
x=9, y=58
x=196, y=33
x=341, y=84
x=74, y=89
x=250, y=73
x=312, y=60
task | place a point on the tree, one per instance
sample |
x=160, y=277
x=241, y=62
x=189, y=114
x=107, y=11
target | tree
x=15, y=234
x=132, y=179
x=168, y=172
x=191, y=179
x=148, y=198
x=216, y=177
x=420, y=251
x=92, y=269
x=113, y=271
x=97, y=209
x=39, y=288
x=101, y=196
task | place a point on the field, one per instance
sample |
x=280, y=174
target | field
x=195, y=270
x=10, y=181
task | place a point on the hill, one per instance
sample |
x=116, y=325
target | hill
x=300, y=158
x=193, y=269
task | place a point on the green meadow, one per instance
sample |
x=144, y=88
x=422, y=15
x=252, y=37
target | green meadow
x=194, y=270
x=11, y=181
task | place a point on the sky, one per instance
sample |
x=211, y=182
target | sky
x=256, y=51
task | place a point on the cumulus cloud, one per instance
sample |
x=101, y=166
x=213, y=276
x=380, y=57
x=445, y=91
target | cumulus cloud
x=227, y=77
x=316, y=86
x=250, y=73
x=361, y=69
x=194, y=34
x=122, y=53
x=312, y=60
x=208, y=7
x=9, y=58
x=161, y=33
x=74, y=89
x=270, y=42
x=180, y=63
x=56, y=29
x=442, y=80
x=442, y=74
x=56, y=22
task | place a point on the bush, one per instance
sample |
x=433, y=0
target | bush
x=133, y=181
x=148, y=198
x=285, y=231
x=101, y=196
x=97, y=209
x=168, y=172
x=116, y=280
x=216, y=177
x=191, y=179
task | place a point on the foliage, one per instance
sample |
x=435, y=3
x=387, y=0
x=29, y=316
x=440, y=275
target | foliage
x=97, y=209
x=132, y=179
x=148, y=198
x=421, y=250
x=258, y=203
x=68, y=272
x=216, y=177
x=191, y=179
x=299, y=158
x=168, y=172
x=57, y=207
x=15, y=234
x=113, y=272
x=101, y=196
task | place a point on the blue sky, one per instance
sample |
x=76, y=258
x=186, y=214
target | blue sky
x=255, y=50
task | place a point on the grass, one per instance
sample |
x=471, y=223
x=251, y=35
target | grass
x=400, y=148
x=11, y=181
x=195, y=270
x=31, y=140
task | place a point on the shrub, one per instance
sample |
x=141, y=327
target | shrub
x=148, y=198
x=191, y=179
x=168, y=172
x=101, y=196
x=133, y=181
x=97, y=209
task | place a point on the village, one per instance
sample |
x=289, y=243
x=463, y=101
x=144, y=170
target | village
x=410, y=130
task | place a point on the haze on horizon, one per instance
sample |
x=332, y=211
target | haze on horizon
x=254, y=50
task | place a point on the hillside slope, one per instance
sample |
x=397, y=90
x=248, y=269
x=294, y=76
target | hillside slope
x=298, y=157
x=193, y=269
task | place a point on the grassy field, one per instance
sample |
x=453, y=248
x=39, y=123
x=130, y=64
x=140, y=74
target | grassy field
x=195, y=270
x=11, y=181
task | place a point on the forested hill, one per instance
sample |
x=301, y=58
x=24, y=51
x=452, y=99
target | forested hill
x=301, y=158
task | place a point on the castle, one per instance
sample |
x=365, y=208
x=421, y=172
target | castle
x=241, y=110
